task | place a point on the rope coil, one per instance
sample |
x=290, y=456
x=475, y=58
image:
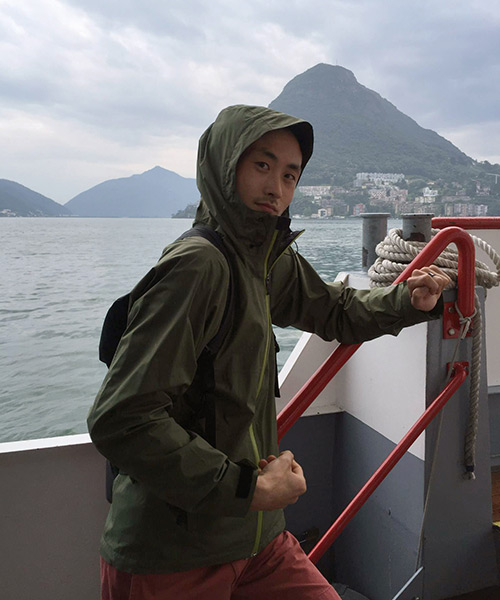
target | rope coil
x=394, y=254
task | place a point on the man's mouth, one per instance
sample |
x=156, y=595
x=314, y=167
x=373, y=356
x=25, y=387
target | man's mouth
x=267, y=207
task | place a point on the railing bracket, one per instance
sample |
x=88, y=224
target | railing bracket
x=462, y=364
x=451, y=322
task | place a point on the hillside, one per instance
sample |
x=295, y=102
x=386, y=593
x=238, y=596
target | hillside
x=16, y=200
x=357, y=130
x=155, y=193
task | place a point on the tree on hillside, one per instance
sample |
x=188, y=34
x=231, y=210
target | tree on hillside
x=303, y=205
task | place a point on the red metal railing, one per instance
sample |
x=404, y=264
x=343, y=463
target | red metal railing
x=465, y=299
x=308, y=393
x=467, y=222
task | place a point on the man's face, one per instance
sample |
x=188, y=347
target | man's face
x=268, y=171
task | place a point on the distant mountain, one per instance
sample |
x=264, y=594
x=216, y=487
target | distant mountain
x=16, y=200
x=155, y=193
x=356, y=130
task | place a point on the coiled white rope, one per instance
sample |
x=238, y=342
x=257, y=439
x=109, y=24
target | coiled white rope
x=394, y=255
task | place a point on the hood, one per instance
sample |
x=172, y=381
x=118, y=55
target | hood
x=220, y=147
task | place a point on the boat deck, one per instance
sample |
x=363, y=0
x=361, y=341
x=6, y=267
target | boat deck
x=488, y=594
x=492, y=593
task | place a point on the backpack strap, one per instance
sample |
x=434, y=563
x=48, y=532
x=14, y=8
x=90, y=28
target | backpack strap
x=206, y=359
x=113, y=328
x=215, y=238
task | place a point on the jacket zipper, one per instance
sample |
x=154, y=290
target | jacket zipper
x=267, y=281
x=291, y=241
x=260, y=514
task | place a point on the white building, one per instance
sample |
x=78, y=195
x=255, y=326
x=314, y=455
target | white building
x=378, y=178
x=316, y=191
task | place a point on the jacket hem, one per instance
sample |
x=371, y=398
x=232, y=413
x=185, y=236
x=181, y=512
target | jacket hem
x=130, y=565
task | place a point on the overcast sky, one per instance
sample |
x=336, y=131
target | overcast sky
x=98, y=89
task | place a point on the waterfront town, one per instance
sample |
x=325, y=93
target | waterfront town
x=394, y=194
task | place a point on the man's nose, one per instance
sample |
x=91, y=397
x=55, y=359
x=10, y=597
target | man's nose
x=273, y=186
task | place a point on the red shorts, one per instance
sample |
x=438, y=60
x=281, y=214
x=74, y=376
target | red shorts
x=281, y=571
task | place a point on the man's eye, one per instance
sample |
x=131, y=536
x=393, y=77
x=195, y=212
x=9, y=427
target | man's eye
x=262, y=165
x=290, y=176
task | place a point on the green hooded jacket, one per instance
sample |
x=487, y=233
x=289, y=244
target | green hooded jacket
x=181, y=502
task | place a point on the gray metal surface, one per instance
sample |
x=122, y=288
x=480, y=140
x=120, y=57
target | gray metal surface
x=312, y=440
x=417, y=227
x=347, y=593
x=376, y=554
x=378, y=551
x=413, y=589
x=374, y=231
x=458, y=550
x=494, y=411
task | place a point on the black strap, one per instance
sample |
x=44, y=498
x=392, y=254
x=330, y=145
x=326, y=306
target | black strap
x=206, y=359
x=113, y=328
x=245, y=479
x=211, y=235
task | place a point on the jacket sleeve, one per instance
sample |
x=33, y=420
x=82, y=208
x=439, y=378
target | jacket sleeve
x=156, y=361
x=300, y=298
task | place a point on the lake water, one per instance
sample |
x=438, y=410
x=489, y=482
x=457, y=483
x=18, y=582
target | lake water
x=58, y=278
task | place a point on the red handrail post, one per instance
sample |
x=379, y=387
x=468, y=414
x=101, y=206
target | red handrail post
x=466, y=264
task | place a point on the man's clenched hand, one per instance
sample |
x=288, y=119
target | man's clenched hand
x=426, y=286
x=280, y=482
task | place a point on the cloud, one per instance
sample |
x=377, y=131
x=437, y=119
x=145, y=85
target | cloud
x=116, y=85
x=437, y=63
x=480, y=140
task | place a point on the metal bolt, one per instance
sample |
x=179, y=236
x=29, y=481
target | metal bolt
x=451, y=331
x=451, y=309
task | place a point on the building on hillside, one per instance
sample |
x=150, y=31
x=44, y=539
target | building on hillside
x=387, y=195
x=377, y=178
x=428, y=196
x=316, y=191
x=358, y=209
x=459, y=197
x=464, y=209
x=482, y=190
x=417, y=208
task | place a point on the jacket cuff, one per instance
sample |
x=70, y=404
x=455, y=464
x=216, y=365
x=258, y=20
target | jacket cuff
x=246, y=482
x=234, y=493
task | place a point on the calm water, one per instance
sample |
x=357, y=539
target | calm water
x=59, y=277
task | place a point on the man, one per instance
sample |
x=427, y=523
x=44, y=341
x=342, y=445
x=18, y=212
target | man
x=197, y=507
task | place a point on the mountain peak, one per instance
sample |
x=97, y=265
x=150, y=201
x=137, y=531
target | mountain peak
x=159, y=172
x=155, y=169
x=323, y=70
x=323, y=78
x=157, y=192
x=356, y=130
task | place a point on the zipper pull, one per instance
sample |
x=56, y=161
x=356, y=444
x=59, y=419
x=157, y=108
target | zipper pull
x=268, y=284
